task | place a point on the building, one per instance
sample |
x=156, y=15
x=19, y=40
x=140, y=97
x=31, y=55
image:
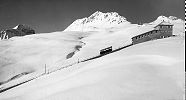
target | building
x=162, y=30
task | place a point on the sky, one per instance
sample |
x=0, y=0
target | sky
x=55, y=15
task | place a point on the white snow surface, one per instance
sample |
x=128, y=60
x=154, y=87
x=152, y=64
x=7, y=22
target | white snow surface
x=16, y=27
x=31, y=53
x=148, y=71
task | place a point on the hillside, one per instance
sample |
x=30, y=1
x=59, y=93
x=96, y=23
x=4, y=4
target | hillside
x=31, y=53
x=145, y=71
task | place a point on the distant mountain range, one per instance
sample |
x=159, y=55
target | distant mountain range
x=103, y=21
x=19, y=30
x=98, y=21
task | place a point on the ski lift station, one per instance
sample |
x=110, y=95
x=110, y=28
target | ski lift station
x=162, y=30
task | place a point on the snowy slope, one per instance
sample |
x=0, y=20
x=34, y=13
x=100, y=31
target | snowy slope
x=31, y=53
x=146, y=71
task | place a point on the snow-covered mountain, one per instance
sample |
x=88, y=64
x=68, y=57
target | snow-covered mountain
x=98, y=21
x=171, y=19
x=19, y=30
x=112, y=21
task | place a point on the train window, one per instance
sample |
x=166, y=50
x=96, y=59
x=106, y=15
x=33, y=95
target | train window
x=106, y=50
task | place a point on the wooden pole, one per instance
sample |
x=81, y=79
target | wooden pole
x=45, y=68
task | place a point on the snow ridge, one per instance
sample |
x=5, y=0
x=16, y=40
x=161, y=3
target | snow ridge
x=98, y=20
x=171, y=19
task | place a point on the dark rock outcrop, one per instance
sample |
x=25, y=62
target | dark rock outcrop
x=26, y=29
x=19, y=30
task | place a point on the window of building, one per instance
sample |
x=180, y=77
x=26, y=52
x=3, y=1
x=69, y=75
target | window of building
x=169, y=26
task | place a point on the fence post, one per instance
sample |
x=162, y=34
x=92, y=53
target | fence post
x=78, y=60
x=45, y=68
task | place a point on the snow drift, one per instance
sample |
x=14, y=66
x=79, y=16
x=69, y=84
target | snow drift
x=145, y=71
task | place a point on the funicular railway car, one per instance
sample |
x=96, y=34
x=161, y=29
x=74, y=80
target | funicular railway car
x=106, y=50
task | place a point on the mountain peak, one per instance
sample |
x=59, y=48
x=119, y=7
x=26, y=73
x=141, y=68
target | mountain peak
x=19, y=30
x=173, y=18
x=98, y=20
x=109, y=16
x=168, y=19
x=22, y=26
x=96, y=13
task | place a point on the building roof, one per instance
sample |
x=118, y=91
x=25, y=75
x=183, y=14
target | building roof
x=143, y=30
x=165, y=23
